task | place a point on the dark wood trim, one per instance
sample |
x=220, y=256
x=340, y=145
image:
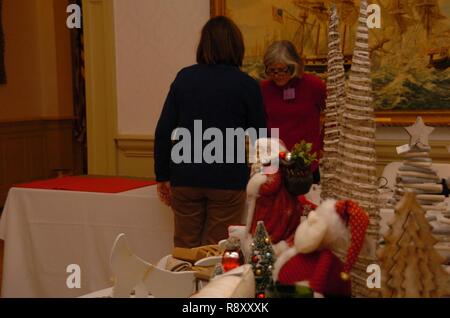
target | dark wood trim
x=405, y=118
x=36, y=119
x=217, y=7
x=35, y=149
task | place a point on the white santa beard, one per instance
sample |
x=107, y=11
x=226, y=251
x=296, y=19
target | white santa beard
x=337, y=235
x=310, y=234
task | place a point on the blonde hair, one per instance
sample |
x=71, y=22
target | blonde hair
x=286, y=53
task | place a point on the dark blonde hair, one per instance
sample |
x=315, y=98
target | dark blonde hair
x=221, y=42
x=286, y=53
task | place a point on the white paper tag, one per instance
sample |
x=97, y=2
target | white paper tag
x=403, y=149
x=289, y=94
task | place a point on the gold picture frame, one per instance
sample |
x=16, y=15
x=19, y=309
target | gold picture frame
x=440, y=117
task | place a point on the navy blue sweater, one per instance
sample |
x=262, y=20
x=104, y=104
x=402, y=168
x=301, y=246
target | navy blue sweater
x=222, y=97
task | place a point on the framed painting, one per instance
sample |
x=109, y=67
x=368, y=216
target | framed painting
x=2, y=50
x=410, y=52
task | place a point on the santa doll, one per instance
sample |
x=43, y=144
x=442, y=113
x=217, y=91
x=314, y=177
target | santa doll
x=267, y=198
x=269, y=201
x=311, y=261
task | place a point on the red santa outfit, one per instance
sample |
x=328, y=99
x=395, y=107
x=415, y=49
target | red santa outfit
x=267, y=197
x=298, y=118
x=321, y=269
x=279, y=210
x=312, y=261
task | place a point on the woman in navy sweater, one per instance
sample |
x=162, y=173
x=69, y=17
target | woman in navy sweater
x=206, y=187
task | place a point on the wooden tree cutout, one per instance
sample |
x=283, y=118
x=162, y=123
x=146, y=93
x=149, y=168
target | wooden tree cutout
x=410, y=265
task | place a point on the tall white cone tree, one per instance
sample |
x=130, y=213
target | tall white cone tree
x=357, y=171
x=333, y=110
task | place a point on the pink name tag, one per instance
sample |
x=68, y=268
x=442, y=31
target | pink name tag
x=289, y=93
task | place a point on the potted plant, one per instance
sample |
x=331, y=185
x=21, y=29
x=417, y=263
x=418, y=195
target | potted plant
x=296, y=168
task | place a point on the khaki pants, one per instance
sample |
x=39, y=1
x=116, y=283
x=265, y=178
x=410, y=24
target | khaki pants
x=202, y=215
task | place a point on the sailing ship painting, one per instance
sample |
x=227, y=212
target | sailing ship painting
x=410, y=52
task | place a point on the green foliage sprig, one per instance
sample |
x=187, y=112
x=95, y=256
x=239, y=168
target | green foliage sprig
x=302, y=154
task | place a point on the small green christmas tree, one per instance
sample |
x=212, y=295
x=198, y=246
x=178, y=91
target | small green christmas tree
x=262, y=259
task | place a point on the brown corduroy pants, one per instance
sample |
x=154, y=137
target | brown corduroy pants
x=202, y=215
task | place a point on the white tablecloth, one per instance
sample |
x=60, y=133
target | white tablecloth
x=47, y=230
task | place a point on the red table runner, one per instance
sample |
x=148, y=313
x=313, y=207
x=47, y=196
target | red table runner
x=88, y=184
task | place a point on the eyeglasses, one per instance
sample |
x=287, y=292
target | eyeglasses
x=272, y=71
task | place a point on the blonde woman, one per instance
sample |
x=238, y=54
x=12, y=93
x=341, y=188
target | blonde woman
x=293, y=99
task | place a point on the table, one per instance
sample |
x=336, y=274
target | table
x=47, y=230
